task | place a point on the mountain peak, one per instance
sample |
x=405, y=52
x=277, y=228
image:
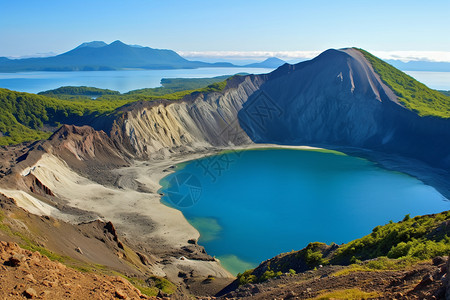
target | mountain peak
x=271, y=62
x=274, y=59
x=118, y=43
x=93, y=44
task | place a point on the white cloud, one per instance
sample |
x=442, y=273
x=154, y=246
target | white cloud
x=405, y=56
x=250, y=54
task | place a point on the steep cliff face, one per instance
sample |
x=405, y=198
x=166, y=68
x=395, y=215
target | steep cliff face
x=337, y=99
x=149, y=130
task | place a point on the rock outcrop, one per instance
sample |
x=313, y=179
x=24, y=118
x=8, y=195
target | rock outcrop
x=31, y=275
x=154, y=130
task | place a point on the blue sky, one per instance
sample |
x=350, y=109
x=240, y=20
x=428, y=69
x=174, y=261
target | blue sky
x=30, y=26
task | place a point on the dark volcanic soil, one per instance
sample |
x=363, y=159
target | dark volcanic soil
x=426, y=280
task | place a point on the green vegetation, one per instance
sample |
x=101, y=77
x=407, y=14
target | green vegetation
x=80, y=91
x=174, y=92
x=151, y=286
x=411, y=93
x=313, y=255
x=269, y=274
x=417, y=237
x=379, y=264
x=23, y=115
x=29, y=244
x=246, y=277
x=347, y=294
x=174, y=85
x=249, y=277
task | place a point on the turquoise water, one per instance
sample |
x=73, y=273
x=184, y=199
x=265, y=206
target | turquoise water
x=252, y=205
x=122, y=81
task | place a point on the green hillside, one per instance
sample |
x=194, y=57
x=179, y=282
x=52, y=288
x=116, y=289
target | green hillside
x=23, y=115
x=79, y=91
x=421, y=237
x=413, y=95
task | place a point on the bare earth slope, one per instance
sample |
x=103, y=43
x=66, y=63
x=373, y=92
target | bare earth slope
x=426, y=280
x=26, y=274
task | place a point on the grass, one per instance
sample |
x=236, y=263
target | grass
x=151, y=286
x=413, y=94
x=382, y=263
x=415, y=238
x=29, y=244
x=347, y=294
x=354, y=268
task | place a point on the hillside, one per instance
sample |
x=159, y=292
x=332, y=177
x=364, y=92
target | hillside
x=79, y=91
x=413, y=94
x=31, y=275
x=28, y=117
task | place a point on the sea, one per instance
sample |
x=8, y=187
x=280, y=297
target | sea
x=122, y=81
x=127, y=80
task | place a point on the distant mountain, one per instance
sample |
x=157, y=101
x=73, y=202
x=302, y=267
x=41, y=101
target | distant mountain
x=430, y=66
x=94, y=44
x=98, y=55
x=271, y=62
